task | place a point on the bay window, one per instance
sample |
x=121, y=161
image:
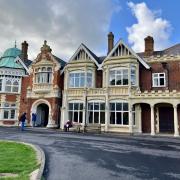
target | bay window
x=118, y=77
x=75, y=111
x=119, y=113
x=43, y=75
x=78, y=79
x=96, y=112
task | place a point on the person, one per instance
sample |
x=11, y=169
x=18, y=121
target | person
x=67, y=125
x=22, y=120
x=33, y=119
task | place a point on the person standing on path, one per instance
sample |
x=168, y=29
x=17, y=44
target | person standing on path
x=33, y=119
x=22, y=120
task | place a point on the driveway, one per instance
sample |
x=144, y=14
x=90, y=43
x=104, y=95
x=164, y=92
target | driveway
x=72, y=156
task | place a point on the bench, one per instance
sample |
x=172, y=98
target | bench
x=76, y=127
x=96, y=128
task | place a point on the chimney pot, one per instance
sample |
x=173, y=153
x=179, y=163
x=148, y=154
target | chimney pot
x=110, y=41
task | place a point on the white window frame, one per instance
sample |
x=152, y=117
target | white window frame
x=122, y=74
x=8, y=107
x=158, y=79
x=133, y=83
x=82, y=76
x=120, y=111
x=96, y=110
x=74, y=110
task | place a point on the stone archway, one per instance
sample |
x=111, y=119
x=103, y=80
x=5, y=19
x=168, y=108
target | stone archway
x=43, y=110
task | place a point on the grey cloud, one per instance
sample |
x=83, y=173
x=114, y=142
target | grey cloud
x=64, y=23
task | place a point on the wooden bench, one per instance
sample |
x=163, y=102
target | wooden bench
x=96, y=128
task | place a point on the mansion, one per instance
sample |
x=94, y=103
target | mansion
x=123, y=91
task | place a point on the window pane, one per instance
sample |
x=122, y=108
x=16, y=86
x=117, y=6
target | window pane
x=80, y=116
x=81, y=106
x=8, y=88
x=156, y=82
x=112, y=106
x=90, y=106
x=0, y=84
x=118, y=80
x=6, y=114
x=77, y=82
x=162, y=83
x=71, y=81
x=96, y=117
x=96, y=106
x=112, y=118
x=125, y=79
x=12, y=114
x=71, y=116
x=125, y=118
x=90, y=117
x=102, y=117
x=75, y=116
x=119, y=118
x=76, y=106
x=70, y=106
x=125, y=106
x=102, y=106
x=118, y=106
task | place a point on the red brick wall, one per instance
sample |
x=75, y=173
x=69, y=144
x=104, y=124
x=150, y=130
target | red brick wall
x=98, y=78
x=171, y=70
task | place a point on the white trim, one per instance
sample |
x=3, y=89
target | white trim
x=19, y=59
x=82, y=46
x=132, y=52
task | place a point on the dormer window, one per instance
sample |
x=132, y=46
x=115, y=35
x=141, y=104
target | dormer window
x=43, y=75
x=118, y=77
x=79, y=79
x=159, y=79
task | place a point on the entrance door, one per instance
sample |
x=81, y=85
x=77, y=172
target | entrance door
x=166, y=119
x=42, y=115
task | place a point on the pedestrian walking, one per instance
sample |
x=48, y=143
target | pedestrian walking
x=22, y=120
x=34, y=119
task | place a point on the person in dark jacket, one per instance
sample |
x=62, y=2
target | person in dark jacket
x=22, y=120
x=67, y=125
x=33, y=119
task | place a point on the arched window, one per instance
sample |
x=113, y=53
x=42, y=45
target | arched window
x=8, y=85
x=15, y=87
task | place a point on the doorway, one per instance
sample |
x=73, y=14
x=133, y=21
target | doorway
x=42, y=115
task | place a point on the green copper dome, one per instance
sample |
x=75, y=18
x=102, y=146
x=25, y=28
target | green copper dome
x=12, y=52
x=8, y=58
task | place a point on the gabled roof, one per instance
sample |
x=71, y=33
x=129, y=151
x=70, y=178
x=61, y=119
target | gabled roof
x=129, y=50
x=92, y=56
x=60, y=61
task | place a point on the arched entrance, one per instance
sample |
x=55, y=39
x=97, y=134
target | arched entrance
x=42, y=115
x=166, y=117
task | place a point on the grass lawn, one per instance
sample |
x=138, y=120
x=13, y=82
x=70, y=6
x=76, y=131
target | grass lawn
x=18, y=159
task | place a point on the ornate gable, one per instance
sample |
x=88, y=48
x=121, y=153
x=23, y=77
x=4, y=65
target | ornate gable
x=84, y=54
x=122, y=50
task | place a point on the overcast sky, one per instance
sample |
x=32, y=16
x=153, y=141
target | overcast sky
x=67, y=23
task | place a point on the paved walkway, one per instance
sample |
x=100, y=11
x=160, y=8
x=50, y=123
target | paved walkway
x=102, y=157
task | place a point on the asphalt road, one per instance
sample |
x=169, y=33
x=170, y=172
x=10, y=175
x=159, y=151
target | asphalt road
x=72, y=156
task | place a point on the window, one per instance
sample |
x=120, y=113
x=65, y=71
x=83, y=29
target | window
x=118, y=77
x=43, y=75
x=80, y=79
x=119, y=113
x=159, y=80
x=8, y=111
x=76, y=112
x=12, y=85
x=0, y=84
x=133, y=75
x=96, y=112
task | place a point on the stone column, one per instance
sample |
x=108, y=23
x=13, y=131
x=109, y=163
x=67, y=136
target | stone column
x=138, y=117
x=152, y=121
x=176, y=126
x=130, y=119
x=107, y=113
x=84, y=122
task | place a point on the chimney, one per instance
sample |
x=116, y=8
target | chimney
x=24, y=55
x=149, y=45
x=110, y=41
